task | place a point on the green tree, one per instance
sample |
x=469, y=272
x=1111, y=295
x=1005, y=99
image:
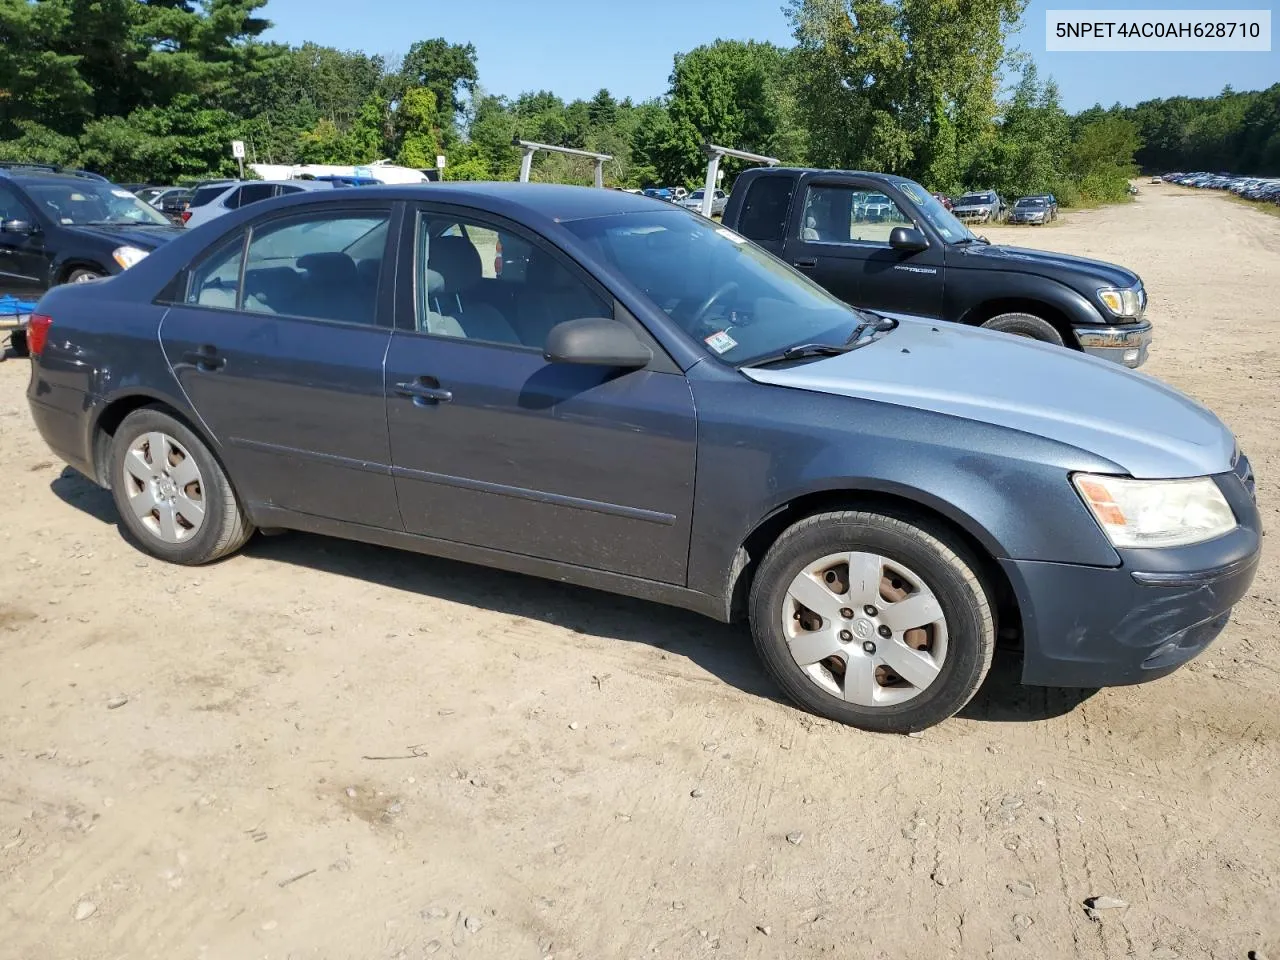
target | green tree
x=448, y=70
x=1101, y=158
x=417, y=127
x=726, y=93
x=366, y=142
x=904, y=86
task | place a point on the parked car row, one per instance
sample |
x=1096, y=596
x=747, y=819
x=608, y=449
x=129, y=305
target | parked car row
x=654, y=405
x=1262, y=189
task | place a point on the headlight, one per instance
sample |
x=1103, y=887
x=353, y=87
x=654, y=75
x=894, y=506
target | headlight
x=1156, y=513
x=1122, y=302
x=128, y=256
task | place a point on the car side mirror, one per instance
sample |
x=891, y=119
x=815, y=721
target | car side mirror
x=15, y=226
x=909, y=239
x=596, y=341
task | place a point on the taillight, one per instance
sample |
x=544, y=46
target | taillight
x=186, y=215
x=38, y=333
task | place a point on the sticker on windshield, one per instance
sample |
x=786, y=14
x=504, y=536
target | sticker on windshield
x=730, y=235
x=910, y=190
x=122, y=193
x=721, y=342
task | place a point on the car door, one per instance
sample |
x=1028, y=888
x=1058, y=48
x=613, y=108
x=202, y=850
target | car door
x=838, y=234
x=496, y=447
x=279, y=344
x=24, y=261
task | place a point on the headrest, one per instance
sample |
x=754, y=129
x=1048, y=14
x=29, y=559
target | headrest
x=329, y=267
x=457, y=261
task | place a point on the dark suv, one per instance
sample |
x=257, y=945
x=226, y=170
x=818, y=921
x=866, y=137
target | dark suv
x=68, y=228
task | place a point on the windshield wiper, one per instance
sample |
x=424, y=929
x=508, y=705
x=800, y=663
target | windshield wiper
x=975, y=239
x=801, y=351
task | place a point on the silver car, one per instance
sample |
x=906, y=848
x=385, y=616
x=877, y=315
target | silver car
x=983, y=207
x=693, y=202
x=213, y=201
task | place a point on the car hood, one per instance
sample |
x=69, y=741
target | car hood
x=1144, y=427
x=146, y=238
x=993, y=256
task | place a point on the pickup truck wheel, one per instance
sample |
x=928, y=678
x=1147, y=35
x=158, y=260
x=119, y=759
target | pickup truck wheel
x=171, y=493
x=876, y=620
x=1025, y=325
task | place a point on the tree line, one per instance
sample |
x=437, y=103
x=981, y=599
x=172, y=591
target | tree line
x=155, y=90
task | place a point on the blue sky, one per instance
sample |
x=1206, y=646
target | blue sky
x=574, y=48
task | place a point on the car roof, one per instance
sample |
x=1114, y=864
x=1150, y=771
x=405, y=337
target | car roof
x=550, y=201
x=35, y=177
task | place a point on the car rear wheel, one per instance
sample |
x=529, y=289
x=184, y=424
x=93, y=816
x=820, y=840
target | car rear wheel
x=1026, y=325
x=876, y=620
x=172, y=494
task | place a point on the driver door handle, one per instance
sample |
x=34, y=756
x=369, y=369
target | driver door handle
x=806, y=262
x=424, y=390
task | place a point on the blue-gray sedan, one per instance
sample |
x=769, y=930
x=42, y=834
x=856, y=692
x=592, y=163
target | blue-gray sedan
x=605, y=389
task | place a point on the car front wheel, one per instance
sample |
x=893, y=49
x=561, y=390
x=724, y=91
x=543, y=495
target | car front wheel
x=84, y=275
x=1026, y=325
x=877, y=620
x=172, y=494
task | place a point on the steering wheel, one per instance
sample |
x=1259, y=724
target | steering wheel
x=708, y=303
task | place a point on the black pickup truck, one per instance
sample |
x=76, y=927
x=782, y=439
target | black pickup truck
x=886, y=244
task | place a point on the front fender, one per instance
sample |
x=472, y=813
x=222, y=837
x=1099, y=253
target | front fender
x=761, y=448
x=977, y=290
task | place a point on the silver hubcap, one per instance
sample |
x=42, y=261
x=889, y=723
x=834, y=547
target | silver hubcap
x=84, y=278
x=164, y=487
x=865, y=628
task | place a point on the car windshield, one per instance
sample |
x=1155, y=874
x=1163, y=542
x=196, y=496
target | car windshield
x=976, y=198
x=697, y=195
x=737, y=301
x=935, y=214
x=93, y=202
x=1030, y=202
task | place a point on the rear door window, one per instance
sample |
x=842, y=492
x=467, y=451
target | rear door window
x=764, y=212
x=252, y=193
x=207, y=194
x=319, y=266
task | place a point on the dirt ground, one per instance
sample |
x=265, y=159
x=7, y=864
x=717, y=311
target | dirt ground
x=334, y=750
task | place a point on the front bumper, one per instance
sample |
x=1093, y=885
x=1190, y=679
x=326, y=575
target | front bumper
x=1123, y=343
x=1111, y=626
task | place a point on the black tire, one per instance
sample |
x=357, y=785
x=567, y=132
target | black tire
x=83, y=274
x=940, y=558
x=18, y=344
x=1026, y=325
x=225, y=527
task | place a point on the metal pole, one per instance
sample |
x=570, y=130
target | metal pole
x=709, y=191
x=526, y=164
x=240, y=160
x=599, y=173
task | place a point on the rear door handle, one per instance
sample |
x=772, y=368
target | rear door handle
x=206, y=358
x=424, y=390
x=806, y=263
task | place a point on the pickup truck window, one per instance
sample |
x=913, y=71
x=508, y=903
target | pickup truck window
x=731, y=297
x=849, y=214
x=764, y=213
